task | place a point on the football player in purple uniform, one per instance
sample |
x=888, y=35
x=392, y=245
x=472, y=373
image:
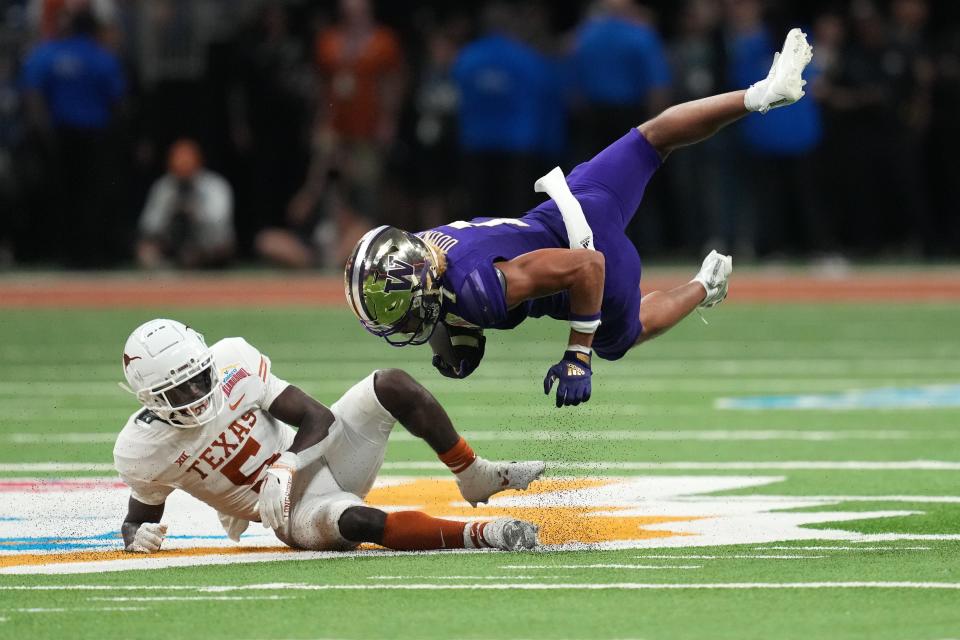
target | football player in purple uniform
x=568, y=258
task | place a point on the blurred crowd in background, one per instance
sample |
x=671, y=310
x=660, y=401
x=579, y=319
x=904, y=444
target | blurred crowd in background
x=203, y=133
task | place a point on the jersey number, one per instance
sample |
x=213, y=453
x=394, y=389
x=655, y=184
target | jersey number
x=232, y=471
x=493, y=222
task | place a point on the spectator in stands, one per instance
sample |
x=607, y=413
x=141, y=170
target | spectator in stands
x=10, y=138
x=779, y=147
x=876, y=97
x=621, y=76
x=698, y=59
x=72, y=88
x=434, y=146
x=188, y=218
x=269, y=116
x=360, y=66
x=944, y=140
x=508, y=101
x=621, y=73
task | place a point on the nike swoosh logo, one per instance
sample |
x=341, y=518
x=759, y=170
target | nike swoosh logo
x=233, y=407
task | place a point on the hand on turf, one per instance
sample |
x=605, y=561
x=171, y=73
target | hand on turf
x=274, y=505
x=148, y=538
x=573, y=377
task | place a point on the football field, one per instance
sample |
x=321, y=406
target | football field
x=791, y=470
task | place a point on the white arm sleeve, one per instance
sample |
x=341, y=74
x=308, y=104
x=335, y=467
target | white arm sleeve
x=554, y=184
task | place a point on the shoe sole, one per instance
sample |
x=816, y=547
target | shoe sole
x=518, y=536
x=795, y=56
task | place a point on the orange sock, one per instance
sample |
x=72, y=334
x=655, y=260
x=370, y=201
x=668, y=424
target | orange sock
x=416, y=531
x=459, y=457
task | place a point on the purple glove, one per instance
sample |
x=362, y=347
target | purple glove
x=573, y=374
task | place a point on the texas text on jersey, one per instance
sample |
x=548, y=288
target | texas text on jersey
x=220, y=462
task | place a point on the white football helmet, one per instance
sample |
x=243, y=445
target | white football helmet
x=171, y=370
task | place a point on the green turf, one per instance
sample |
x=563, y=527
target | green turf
x=59, y=376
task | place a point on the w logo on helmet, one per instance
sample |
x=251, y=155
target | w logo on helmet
x=399, y=275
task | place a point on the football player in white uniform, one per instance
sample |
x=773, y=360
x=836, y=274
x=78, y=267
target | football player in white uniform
x=218, y=424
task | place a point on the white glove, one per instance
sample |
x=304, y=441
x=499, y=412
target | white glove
x=148, y=538
x=274, y=505
x=233, y=526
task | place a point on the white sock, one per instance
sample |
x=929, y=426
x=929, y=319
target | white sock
x=751, y=99
x=473, y=536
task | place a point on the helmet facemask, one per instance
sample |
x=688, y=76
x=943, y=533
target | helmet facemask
x=189, y=398
x=392, y=284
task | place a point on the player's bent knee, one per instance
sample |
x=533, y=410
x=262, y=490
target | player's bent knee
x=362, y=524
x=398, y=392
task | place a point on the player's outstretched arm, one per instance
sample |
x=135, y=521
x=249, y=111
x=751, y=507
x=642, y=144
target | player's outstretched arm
x=581, y=273
x=141, y=530
x=312, y=421
x=691, y=122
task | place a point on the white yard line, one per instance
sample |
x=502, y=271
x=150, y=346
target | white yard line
x=58, y=438
x=795, y=465
x=683, y=435
x=497, y=587
x=54, y=466
x=735, y=557
x=686, y=383
x=601, y=566
x=498, y=435
x=505, y=578
x=838, y=548
x=188, y=598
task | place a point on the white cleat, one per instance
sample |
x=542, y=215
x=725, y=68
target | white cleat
x=714, y=275
x=784, y=84
x=483, y=478
x=509, y=535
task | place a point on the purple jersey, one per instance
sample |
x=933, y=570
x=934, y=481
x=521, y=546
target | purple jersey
x=609, y=188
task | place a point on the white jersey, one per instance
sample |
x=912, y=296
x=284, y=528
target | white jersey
x=221, y=462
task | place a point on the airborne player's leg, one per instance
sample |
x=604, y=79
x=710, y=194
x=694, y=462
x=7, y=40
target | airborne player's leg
x=660, y=310
x=691, y=122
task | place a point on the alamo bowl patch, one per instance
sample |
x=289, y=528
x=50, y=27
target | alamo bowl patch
x=230, y=376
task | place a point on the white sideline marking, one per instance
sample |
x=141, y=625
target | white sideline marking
x=737, y=557
x=40, y=610
x=824, y=548
x=493, y=587
x=602, y=566
x=796, y=465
